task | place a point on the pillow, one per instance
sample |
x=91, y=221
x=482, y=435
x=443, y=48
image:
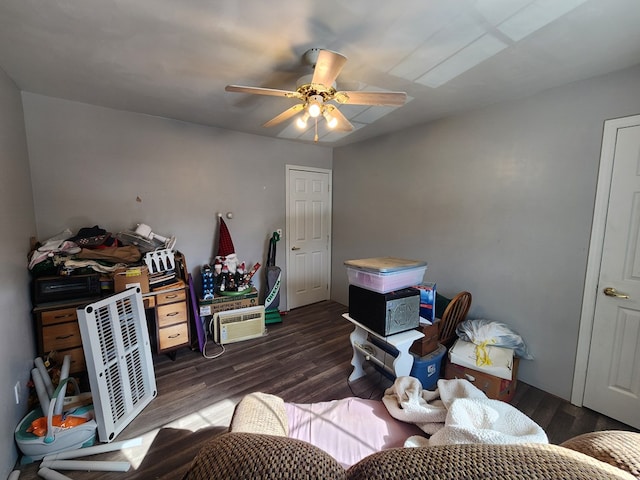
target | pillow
x=260, y=413
x=252, y=456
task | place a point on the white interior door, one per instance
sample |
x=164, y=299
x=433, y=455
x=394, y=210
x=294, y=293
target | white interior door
x=308, y=238
x=612, y=383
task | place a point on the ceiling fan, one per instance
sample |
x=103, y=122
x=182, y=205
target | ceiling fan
x=317, y=90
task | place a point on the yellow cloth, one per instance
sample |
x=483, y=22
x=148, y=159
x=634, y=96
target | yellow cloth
x=482, y=355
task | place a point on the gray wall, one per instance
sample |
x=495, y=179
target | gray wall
x=90, y=164
x=499, y=202
x=18, y=225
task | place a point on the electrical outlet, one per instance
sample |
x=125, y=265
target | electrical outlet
x=279, y=231
x=16, y=392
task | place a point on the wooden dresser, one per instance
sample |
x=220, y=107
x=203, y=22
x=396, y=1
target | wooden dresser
x=168, y=319
x=57, y=331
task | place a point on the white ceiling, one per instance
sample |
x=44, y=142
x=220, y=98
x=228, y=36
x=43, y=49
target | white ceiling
x=173, y=58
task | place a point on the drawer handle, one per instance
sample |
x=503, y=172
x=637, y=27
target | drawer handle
x=64, y=315
x=172, y=296
x=172, y=314
x=64, y=337
x=174, y=336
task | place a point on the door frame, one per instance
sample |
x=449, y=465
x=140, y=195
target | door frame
x=287, y=242
x=594, y=259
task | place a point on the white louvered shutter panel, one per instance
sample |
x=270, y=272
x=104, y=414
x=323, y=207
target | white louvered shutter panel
x=119, y=362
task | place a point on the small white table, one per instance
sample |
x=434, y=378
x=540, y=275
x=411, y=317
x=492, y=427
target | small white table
x=363, y=350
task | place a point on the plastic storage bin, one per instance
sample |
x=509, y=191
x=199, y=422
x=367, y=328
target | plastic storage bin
x=427, y=368
x=385, y=274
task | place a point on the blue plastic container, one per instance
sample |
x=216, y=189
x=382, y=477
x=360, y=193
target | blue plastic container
x=427, y=368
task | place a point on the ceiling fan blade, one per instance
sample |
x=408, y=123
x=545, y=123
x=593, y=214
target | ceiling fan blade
x=371, y=98
x=262, y=91
x=328, y=67
x=343, y=124
x=288, y=113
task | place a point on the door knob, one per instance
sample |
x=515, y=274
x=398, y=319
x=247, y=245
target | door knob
x=612, y=292
x=295, y=248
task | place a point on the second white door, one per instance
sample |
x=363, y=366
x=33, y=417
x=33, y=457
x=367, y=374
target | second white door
x=612, y=383
x=308, y=238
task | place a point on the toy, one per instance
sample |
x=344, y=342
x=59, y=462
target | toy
x=228, y=276
x=56, y=438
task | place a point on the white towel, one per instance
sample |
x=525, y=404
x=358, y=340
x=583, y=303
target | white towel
x=458, y=412
x=407, y=401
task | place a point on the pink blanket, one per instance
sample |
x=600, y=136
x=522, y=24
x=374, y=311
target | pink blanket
x=348, y=429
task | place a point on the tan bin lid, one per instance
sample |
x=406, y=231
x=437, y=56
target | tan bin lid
x=384, y=264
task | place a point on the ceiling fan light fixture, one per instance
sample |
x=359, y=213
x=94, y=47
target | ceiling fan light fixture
x=315, y=105
x=301, y=122
x=332, y=121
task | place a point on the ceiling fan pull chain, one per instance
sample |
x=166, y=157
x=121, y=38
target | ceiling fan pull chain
x=315, y=138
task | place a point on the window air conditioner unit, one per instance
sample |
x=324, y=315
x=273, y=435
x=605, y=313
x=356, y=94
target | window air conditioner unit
x=236, y=325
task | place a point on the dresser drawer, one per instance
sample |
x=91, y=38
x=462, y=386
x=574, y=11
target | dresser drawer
x=170, y=297
x=171, y=314
x=173, y=336
x=78, y=363
x=52, y=317
x=61, y=336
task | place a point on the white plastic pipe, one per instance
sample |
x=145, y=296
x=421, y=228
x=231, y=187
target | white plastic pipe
x=87, y=465
x=64, y=374
x=49, y=474
x=84, y=452
x=45, y=375
x=41, y=390
x=14, y=475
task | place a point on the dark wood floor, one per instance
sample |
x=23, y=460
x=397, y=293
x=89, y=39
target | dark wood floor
x=306, y=358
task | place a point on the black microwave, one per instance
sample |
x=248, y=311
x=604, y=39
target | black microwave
x=58, y=288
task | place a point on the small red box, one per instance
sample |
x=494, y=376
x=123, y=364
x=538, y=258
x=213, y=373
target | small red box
x=427, y=344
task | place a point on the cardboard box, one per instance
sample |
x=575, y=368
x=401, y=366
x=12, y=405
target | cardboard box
x=131, y=277
x=427, y=344
x=493, y=387
x=464, y=353
x=223, y=303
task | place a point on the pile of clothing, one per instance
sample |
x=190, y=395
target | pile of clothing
x=90, y=249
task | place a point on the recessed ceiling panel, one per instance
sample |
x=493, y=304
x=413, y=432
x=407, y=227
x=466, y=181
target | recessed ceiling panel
x=485, y=47
x=372, y=114
x=536, y=16
x=496, y=11
x=442, y=45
